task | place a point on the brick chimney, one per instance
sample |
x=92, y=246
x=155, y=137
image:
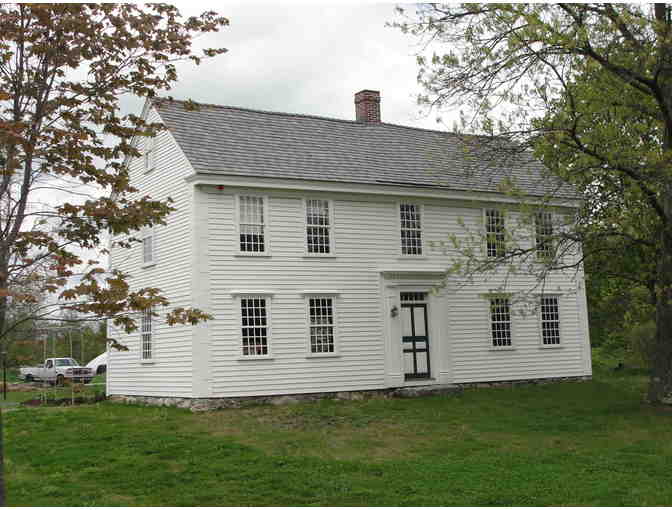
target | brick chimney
x=367, y=106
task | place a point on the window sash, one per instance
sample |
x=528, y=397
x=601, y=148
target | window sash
x=500, y=322
x=410, y=220
x=146, y=333
x=318, y=226
x=549, y=309
x=252, y=227
x=148, y=247
x=544, y=234
x=494, y=232
x=321, y=327
x=149, y=155
x=254, y=326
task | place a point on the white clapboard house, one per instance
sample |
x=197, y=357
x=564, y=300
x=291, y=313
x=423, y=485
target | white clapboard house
x=309, y=240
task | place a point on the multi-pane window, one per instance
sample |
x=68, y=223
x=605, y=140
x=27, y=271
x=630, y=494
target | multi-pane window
x=254, y=316
x=147, y=246
x=544, y=234
x=149, y=155
x=550, y=320
x=146, y=334
x=252, y=224
x=321, y=314
x=318, y=226
x=500, y=322
x=411, y=229
x=494, y=232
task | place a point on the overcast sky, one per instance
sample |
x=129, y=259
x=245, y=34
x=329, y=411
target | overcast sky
x=307, y=59
x=303, y=58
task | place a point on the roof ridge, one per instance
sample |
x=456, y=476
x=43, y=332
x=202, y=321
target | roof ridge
x=159, y=100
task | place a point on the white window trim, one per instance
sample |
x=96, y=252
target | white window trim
x=334, y=304
x=332, y=244
x=145, y=233
x=149, y=155
x=485, y=229
x=421, y=210
x=269, y=317
x=539, y=327
x=267, y=232
x=488, y=321
x=152, y=333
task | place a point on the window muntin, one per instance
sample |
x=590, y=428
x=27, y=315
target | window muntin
x=318, y=227
x=254, y=322
x=148, y=246
x=500, y=322
x=252, y=224
x=411, y=229
x=146, y=334
x=543, y=223
x=413, y=297
x=494, y=232
x=550, y=320
x=321, y=326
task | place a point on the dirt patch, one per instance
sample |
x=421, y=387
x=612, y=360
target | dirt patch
x=35, y=402
x=20, y=386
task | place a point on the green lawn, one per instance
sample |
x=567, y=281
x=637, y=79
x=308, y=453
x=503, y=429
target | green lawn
x=590, y=443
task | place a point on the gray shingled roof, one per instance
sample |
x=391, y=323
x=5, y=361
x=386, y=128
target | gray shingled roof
x=236, y=141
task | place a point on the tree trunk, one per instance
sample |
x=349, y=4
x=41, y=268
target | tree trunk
x=660, y=386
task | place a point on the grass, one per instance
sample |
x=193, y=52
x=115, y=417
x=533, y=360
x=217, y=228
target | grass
x=591, y=443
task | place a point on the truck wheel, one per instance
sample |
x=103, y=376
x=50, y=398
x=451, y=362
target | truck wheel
x=29, y=378
x=60, y=380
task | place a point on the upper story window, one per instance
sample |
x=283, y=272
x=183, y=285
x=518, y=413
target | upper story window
x=543, y=223
x=321, y=326
x=147, y=351
x=500, y=322
x=318, y=227
x=252, y=224
x=254, y=322
x=411, y=229
x=150, y=152
x=550, y=320
x=494, y=232
x=148, y=243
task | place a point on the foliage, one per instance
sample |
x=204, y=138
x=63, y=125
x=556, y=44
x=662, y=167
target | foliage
x=588, y=88
x=63, y=70
x=576, y=444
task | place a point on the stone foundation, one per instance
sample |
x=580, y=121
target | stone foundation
x=211, y=404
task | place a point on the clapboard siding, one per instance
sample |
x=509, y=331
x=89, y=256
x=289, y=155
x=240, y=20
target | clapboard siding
x=366, y=233
x=171, y=372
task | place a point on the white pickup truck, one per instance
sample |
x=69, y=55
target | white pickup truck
x=57, y=371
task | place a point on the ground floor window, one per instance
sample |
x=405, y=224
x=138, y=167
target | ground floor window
x=254, y=320
x=146, y=334
x=321, y=316
x=550, y=320
x=500, y=321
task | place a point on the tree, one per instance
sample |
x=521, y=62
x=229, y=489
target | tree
x=63, y=70
x=588, y=88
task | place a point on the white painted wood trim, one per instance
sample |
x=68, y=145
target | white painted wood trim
x=251, y=292
x=200, y=295
x=375, y=189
